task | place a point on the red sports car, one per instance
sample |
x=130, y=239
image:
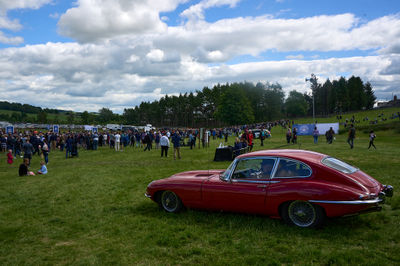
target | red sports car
x=301, y=187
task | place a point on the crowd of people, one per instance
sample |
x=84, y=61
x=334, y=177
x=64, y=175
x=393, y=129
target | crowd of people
x=31, y=143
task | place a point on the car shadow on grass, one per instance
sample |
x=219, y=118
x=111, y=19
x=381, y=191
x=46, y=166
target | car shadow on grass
x=333, y=227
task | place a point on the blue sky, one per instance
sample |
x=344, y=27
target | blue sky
x=90, y=54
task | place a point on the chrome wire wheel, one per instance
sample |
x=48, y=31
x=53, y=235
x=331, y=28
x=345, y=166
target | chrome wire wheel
x=170, y=201
x=302, y=213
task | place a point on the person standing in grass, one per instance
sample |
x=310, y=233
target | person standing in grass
x=28, y=150
x=176, y=139
x=294, y=136
x=164, y=142
x=288, y=135
x=117, y=141
x=250, y=140
x=45, y=151
x=372, y=137
x=68, y=146
x=329, y=135
x=352, y=135
x=10, y=157
x=315, y=135
x=147, y=141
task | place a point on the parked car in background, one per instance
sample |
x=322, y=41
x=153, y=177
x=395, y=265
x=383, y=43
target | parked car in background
x=257, y=133
x=301, y=187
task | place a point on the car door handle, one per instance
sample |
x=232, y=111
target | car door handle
x=262, y=186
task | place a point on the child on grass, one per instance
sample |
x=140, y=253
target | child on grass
x=43, y=169
x=10, y=157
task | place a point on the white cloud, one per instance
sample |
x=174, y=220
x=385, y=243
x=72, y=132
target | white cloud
x=10, y=40
x=299, y=56
x=155, y=55
x=14, y=25
x=128, y=54
x=196, y=12
x=55, y=15
x=89, y=77
x=109, y=19
x=16, y=4
x=215, y=56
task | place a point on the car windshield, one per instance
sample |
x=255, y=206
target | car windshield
x=226, y=174
x=339, y=165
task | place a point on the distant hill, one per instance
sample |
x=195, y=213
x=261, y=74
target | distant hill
x=17, y=112
x=27, y=108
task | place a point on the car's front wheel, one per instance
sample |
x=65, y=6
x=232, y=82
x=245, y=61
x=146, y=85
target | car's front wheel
x=303, y=214
x=170, y=202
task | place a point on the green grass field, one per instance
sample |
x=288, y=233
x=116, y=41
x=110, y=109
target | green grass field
x=92, y=210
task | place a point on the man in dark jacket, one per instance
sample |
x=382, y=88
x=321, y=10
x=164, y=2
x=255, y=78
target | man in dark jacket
x=28, y=150
x=352, y=135
x=147, y=141
x=176, y=139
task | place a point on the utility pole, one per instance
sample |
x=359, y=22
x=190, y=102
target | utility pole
x=313, y=81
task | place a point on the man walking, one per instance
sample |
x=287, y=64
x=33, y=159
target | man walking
x=352, y=135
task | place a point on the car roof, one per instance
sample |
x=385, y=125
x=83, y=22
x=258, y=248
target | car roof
x=302, y=155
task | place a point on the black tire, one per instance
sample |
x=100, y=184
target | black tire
x=303, y=214
x=170, y=202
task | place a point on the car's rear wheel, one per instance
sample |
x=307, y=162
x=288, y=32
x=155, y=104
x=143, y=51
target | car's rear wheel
x=170, y=202
x=303, y=214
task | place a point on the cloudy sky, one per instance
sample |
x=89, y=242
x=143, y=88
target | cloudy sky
x=88, y=54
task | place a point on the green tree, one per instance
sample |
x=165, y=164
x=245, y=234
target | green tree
x=85, y=118
x=369, y=96
x=42, y=117
x=106, y=116
x=274, y=99
x=355, y=89
x=296, y=105
x=235, y=108
x=70, y=118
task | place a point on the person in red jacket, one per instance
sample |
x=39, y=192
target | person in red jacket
x=250, y=139
x=10, y=157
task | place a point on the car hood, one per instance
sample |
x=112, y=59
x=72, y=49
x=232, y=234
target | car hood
x=196, y=175
x=364, y=179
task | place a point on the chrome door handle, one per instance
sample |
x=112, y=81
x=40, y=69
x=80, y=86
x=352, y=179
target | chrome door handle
x=262, y=186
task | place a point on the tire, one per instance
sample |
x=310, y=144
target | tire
x=303, y=214
x=170, y=202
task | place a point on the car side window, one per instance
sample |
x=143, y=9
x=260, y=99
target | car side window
x=258, y=168
x=247, y=168
x=292, y=168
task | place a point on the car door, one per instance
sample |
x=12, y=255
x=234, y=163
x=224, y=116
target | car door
x=288, y=180
x=243, y=191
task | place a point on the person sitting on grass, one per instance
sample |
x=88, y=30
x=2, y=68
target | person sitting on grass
x=23, y=168
x=43, y=169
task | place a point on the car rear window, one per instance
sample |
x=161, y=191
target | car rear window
x=339, y=165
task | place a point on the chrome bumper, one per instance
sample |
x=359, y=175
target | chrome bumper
x=350, y=202
x=147, y=195
x=386, y=192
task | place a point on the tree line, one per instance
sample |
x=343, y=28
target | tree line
x=246, y=103
x=222, y=105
